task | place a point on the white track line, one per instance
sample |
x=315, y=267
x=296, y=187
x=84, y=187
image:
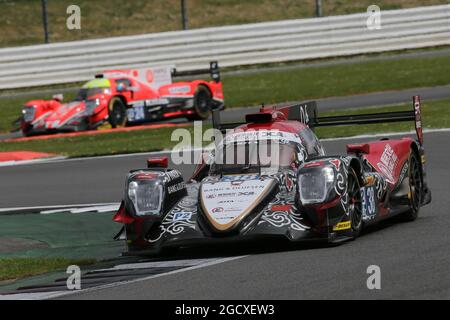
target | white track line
x=159, y=264
x=77, y=206
x=34, y=161
x=53, y=295
x=367, y=136
x=59, y=208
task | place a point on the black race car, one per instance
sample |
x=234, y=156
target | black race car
x=270, y=177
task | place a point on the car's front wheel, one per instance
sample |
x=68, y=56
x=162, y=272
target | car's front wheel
x=27, y=131
x=117, y=113
x=415, y=193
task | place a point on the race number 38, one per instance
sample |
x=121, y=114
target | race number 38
x=368, y=203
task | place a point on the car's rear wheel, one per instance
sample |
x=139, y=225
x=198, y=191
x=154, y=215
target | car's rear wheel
x=415, y=188
x=354, y=202
x=117, y=113
x=202, y=104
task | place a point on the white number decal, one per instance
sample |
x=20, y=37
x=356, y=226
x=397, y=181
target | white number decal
x=368, y=203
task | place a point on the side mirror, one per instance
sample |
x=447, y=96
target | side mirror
x=158, y=162
x=58, y=97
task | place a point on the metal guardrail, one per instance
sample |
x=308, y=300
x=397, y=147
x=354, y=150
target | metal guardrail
x=257, y=43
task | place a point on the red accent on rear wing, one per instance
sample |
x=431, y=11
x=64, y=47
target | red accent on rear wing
x=418, y=118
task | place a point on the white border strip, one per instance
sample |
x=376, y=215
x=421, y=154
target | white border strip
x=59, y=207
x=53, y=295
x=20, y=162
x=65, y=159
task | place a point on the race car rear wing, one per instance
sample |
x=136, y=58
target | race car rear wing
x=171, y=70
x=213, y=72
x=372, y=118
x=307, y=114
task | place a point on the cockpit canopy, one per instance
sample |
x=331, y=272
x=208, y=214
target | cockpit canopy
x=251, y=151
x=93, y=87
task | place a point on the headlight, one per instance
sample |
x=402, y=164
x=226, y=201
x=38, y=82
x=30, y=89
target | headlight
x=28, y=113
x=314, y=184
x=146, y=196
x=91, y=105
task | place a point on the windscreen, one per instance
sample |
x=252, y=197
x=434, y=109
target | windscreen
x=84, y=93
x=251, y=156
x=91, y=88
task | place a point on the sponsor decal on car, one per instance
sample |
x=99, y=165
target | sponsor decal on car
x=150, y=102
x=178, y=216
x=136, y=113
x=237, y=179
x=403, y=172
x=175, y=188
x=259, y=135
x=342, y=226
x=149, y=76
x=369, y=180
x=388, y=162
x=369, y=203
x=225, y=203
x=172, y=175
x=179, y=89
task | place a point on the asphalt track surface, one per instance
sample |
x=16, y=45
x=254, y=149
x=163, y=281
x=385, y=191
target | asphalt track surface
x=413, y=257
x=64, y=183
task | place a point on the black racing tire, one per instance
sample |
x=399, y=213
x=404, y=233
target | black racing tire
x=202, y=104
x=27, y=132
x=354, y=203
x=415, y=182
x=117, y=113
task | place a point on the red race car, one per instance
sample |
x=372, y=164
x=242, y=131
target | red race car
x=124, y=97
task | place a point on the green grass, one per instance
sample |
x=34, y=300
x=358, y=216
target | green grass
x=306, y=83
x=32, y=244
x=21, y=20
x=435, y=115
x=94, y=145
x=338, y=80
x=18, y=268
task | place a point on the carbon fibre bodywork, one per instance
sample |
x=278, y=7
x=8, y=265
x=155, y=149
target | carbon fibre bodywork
x=314, y=197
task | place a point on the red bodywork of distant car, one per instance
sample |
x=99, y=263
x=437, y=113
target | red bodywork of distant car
x=123, y=97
